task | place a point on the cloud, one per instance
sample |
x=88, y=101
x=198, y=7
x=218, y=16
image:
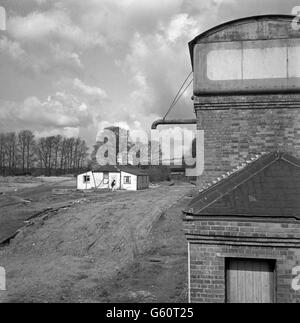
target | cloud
x=37, y=25
x=19, y=57
x=65, y=57
x=46, y=42
x=115, y=21
x=89, y=90
x=181, y=26
x=108, y=61
x=52, y=25
x=65, y=132
x=53, y=59
x=11, y=48
x=73, y=110
x=93, y=97
x=155, y=70
x=59, y=112
x=156, y=63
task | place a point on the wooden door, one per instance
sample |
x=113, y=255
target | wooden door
x=250, y=281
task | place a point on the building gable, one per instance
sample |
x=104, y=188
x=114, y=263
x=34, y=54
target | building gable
x=268, y=187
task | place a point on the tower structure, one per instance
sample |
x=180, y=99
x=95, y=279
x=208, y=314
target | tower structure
x=243, y=228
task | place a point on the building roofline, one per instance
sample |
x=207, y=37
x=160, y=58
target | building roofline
x=118, y=169
x=232, y=180
x=133, y=171
x=224, y=25
x=240, y=218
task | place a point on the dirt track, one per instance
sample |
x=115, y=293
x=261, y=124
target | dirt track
x=21, y=198
x=110, y=247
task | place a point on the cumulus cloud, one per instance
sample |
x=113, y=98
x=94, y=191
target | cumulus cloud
x=66, y=57
x=108, y=61
x=11, y=48
x=181, y=26
x=59, y=112
x=54, y=58
x=20, y=58
x=46, y=41
x=52, y=25
x=156, y=80
x=157, y=58
x=93, y=97
x=65, y=132
x=89, y=90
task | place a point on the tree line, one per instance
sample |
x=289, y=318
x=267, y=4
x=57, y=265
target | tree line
x=23, y=154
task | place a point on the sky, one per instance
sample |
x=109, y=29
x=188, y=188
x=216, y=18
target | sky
x=73, y=67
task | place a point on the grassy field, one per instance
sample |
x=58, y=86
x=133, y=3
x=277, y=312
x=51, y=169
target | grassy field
x=94, y=247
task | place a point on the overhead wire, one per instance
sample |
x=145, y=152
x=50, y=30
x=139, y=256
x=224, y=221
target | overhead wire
x=178, y=99
x=178, y=95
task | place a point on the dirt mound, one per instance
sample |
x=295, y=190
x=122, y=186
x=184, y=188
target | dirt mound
x=66, y=253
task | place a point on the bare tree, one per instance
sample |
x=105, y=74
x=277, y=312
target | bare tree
x=26, y=147
x=57, y=147
x=46, y=147
x=2, y=153
x=10, y=144
x=52, y=155
x=82, y=155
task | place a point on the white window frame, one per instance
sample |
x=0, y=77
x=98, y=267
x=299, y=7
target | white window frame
x=105, y=177
x=127, y=178
x=86, y=179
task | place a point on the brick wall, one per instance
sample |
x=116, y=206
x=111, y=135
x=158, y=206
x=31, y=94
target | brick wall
x=211, y=242
x=237, y=127
x=240, y=127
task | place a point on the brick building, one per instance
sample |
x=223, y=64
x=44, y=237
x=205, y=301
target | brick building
x=243, y=228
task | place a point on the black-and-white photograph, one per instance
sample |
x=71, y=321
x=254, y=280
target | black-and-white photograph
x=149, y=154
